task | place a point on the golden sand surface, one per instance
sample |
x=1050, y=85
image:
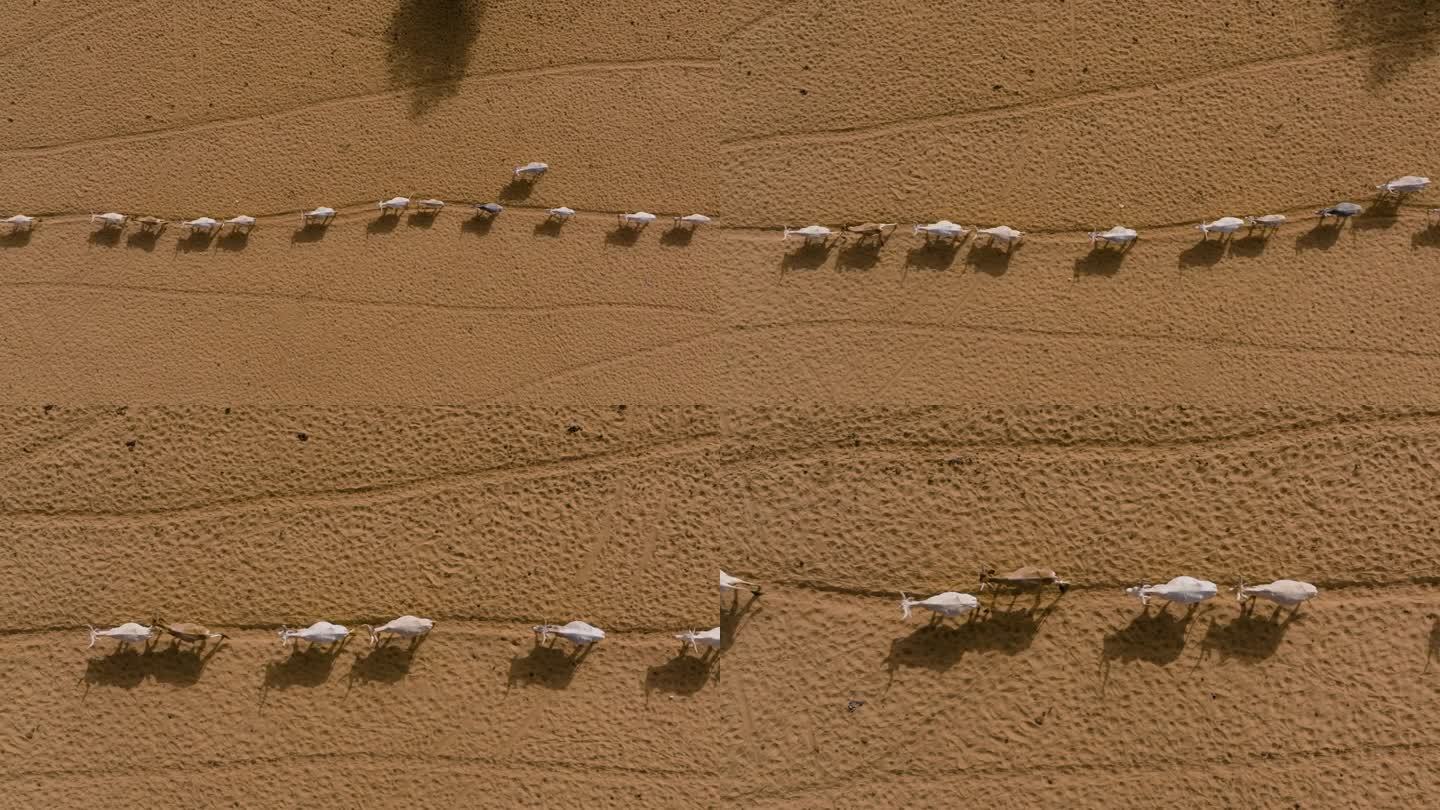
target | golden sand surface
x=498, y=424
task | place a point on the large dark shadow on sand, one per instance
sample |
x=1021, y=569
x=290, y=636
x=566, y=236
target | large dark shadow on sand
x=1402, y=33
x=430, y=48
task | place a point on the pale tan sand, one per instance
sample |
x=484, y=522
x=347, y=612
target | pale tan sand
x=838, y=425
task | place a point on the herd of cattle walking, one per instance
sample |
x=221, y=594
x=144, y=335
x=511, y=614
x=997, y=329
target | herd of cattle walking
x=1184, y=590
x=942, y=231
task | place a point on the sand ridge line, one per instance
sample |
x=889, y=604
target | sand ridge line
x=1241, y=70
x=1419, y=421
x=1230, y=761
x=33, y=452
x=623, y=357
x=1398, y=210
x=1379, y=589
x=364, y=303
x=774, y=8
x=377, y=758
x=379, y=493
x=1127, y=338
x=62, y=147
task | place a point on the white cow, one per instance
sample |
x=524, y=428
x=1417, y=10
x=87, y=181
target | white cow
x=1341, y=211
x=1223, y=226
x=637, y=220
x=1181, y=590
x=394, y=205
x=109, y=220
x=318, y=633
x=531, y=170
x=404, y=627
x=578, y=633
x=1400, y=186
x=19, y=223
x=1267, y=222
x=430, y=206
x=1285, y=592
x=693, y=640
x=692, y=220
x=942, y=231
x=949, y=604
x=1003, y=234
x=488, y=209
x=205, y=225
x=241, y=224
x=127, y=633
x=318, y=216
x=809, y=233
x=561, y=213
x=732, y=584
x=1117, y=235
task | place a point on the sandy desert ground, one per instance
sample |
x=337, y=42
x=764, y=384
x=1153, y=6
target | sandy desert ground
x=498, y=424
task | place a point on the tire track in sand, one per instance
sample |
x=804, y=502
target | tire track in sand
x=1239, y=71
x=372, y=493
x=577, y=68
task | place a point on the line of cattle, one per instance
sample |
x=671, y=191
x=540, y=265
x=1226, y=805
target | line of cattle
x=581, y=635
x=942, y=231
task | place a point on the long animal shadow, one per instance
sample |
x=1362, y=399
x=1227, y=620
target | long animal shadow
x=429, y=50
x=234, y=241
x=990, y=259
x=685, y=674
x=1100, y=261
x=1428, y=237
x=1204, y=253
x=518, y=189
x=173, y=664
x=546, y=665
x=1321, y=237
x=1155, y=636
x=1251, y=245
x=1382, y=212
x=622, y=235
x=1247, y=637
x=478, y=225
x=939, y=646
x=387, y=663
x=104, y=237
x=733, y=617
x=935, y=255
x=16, y=239
x=548, y=227
x=145, y=239
x=194, y=242
x=422, y=219
x=859, y=256
x=385, y=223
x=307, y=668
x=677, y=236
x=308, y=233
x=809, y=256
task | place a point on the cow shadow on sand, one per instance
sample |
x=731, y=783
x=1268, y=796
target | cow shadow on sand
x=940, y=645
x=1156, y=635
x=1250, y=637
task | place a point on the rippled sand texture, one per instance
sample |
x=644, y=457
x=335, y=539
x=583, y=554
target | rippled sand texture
x=496, y=424
x=1055, y=120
